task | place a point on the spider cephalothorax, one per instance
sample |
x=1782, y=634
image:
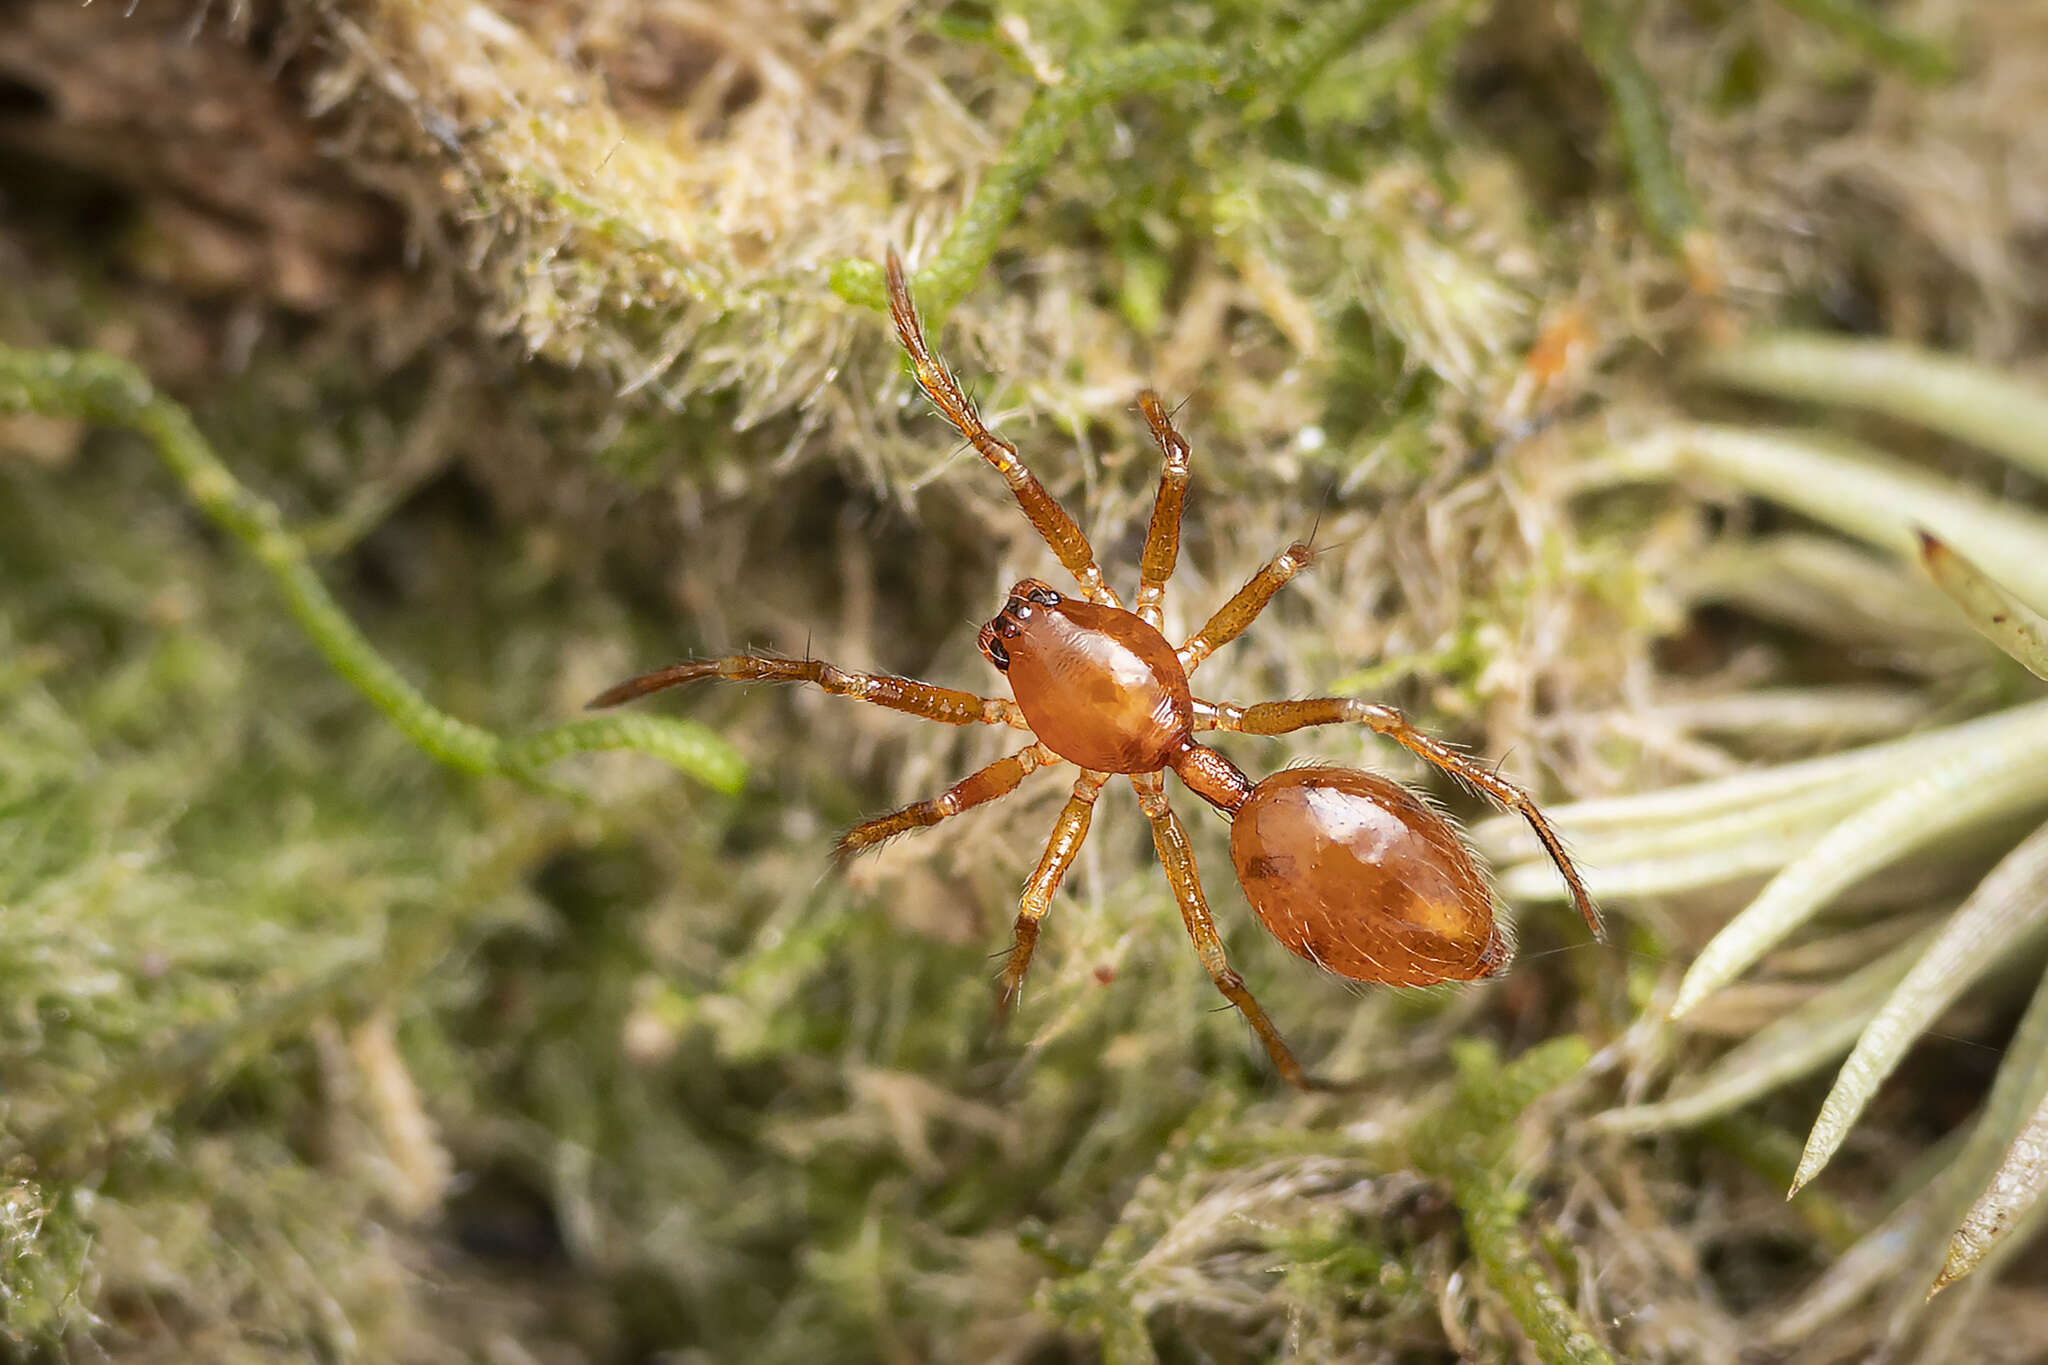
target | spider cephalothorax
x=1348, y=869
x=1098, y=684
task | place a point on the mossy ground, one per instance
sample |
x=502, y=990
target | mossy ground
x=544, y=327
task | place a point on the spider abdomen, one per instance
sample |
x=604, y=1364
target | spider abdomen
x=1359, y=875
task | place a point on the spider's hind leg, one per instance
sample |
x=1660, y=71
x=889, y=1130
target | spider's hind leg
x=1282, y=717
x=1178, y=859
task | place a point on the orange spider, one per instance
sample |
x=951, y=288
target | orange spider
x=1350, y=870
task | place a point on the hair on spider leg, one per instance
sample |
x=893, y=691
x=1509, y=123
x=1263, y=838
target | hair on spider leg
x=1317, y=550
x=1137, y=404
x=1322, y=509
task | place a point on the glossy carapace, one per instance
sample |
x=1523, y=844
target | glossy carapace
x=1100, y=687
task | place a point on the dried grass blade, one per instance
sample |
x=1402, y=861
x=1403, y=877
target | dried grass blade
x=1901, y=1246
x=2008, y=906
x=1954, y=397
x=1874, y=767
x=1536, y=881
x=2015, y=1188
x=1967, y=788
x=2022, y=1084
x=1999, y=616
x=1853, y=488
x=1802, y=1041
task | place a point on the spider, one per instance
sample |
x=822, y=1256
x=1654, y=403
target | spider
x=1350, y=870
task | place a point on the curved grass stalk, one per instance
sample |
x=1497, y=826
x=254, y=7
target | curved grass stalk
x=1799, y=818
x=1667, y=201
x=1819, y=875
x=1802, y=1041
x=1999, y=617
x=1833, y=591
x=94, y=387
x=1900, y=1245
x=1957, y=398
x=2007, y=907
x=1709, y=833
x=1795, y=713
x=1968, y=787
x=1853, y=488
x=2021, y=1085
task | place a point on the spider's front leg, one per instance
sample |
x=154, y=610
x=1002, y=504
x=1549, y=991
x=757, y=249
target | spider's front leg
x=1162, y=537
x=1281, y=717
x=947, y=705
x=1040, y=507
x=1171, y=842
x=1244, y=606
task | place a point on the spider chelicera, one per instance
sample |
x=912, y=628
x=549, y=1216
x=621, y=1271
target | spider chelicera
x=1348, y=869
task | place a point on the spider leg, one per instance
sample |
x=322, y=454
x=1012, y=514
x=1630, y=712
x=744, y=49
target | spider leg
x=1243, y=608
x=1068, y=832
x=1178, y=859
x=1280, y=717
x=942, y=704
x=1162, y=539
x=997, y=780
x=1040, y=507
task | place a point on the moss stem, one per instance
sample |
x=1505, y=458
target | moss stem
x=971, y=242
x=1921, y=59
x=1468, y=1148
x=1667, y=201
x=95, y=387
x=1091, y=82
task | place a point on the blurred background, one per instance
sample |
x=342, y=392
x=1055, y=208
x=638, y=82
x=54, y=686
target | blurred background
x=380, y=379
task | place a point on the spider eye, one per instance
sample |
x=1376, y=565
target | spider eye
x=1045, y=597
x=998, y=656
